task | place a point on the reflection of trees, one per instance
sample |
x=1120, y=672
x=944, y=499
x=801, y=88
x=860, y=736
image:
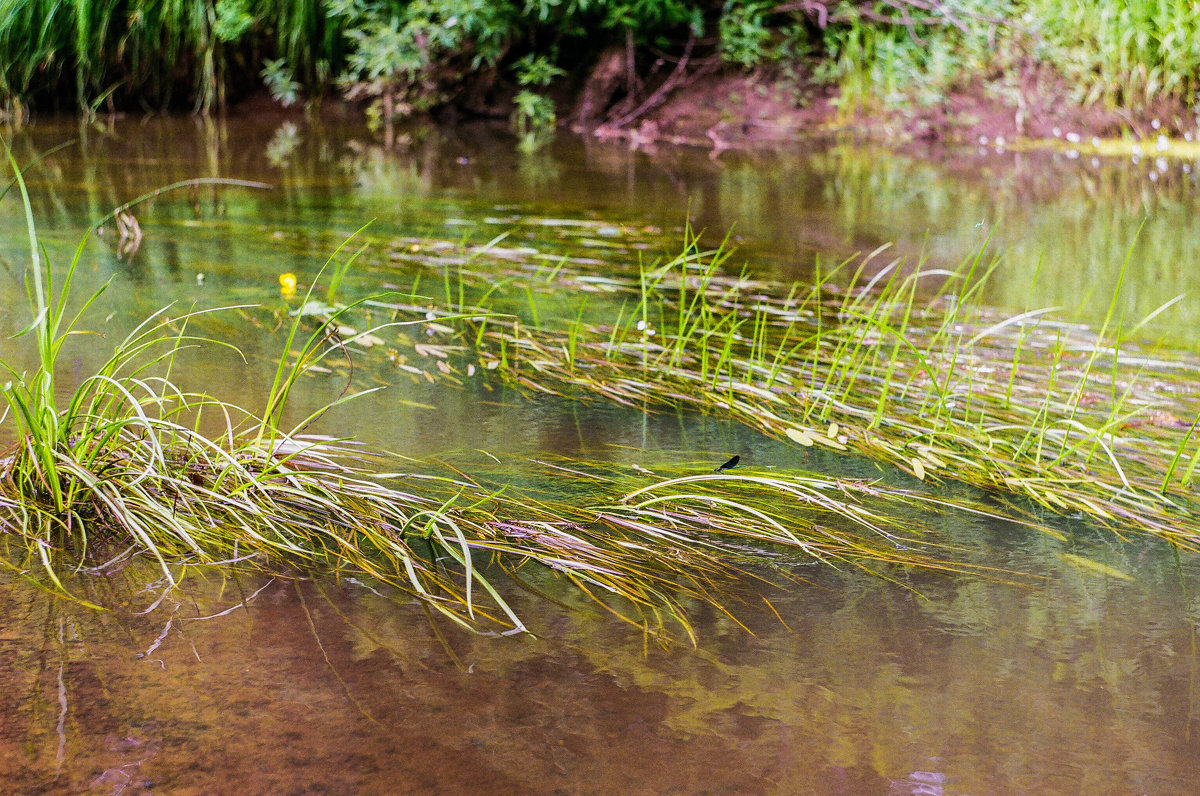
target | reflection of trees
x=1072, y=219
x=1077, y=219
x=995, y=687
x=539, y=169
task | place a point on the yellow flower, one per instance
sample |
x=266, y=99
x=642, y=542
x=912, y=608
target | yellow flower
x=287, y=284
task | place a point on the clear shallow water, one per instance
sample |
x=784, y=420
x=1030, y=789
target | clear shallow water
x=958, y=686
x=1086, y=683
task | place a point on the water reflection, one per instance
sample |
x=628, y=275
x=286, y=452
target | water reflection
x=950, y=685
x=1062, y=226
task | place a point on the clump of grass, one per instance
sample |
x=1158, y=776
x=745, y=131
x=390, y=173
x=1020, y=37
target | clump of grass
x=124, y=467
x=1125, y=53
x=131, y=466
x=159, y=54
x=910, y=367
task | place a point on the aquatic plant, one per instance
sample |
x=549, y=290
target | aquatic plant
x=129, y=464
x=906, y=366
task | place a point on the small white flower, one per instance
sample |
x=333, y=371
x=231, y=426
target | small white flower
x=1187, y=169
x=1073, y=138
x=1057, y=131
x=1095, y=163
x=1136, y=148
x=1136, y=159
x=641, y=325
x=1161, y=164
x=1154, y=176
x=983, y=139
x=1155, y=124
x=1095, y=140
x=1163, y=143
x=1072, y=154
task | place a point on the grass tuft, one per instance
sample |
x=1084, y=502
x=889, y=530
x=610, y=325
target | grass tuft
x=907, y=366
x=130, y=465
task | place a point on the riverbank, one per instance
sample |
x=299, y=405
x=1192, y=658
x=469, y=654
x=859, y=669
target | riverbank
x=735, y=110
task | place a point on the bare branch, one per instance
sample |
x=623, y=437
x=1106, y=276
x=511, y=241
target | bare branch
x=660, y=94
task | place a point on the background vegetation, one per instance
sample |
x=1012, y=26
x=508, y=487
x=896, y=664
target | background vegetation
x=518, y=56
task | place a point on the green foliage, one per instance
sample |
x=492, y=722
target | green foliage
x=1125, y=51
x=537, y=70
x=646, y=19
x=1128, y=53
x=279, y=81
x=411, y=55
x=408, y=53
x=888, y=65
x=744, y=33
x=233, y=20
x=154, y=54
x=533, y=113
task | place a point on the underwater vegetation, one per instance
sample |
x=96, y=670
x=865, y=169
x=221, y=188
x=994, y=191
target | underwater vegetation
x=128, y=464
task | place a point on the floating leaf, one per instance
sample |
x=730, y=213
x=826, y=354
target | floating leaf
x=367, y=340
x=799, y=436
x=426, y=350
x=829, y=443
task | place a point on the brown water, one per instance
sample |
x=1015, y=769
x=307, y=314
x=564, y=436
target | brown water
x=1086, y=683
x=1082, y=686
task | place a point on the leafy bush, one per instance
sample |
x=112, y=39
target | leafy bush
x=744, y=33
x=280, y=82
x=406, y=55
x=534, y=115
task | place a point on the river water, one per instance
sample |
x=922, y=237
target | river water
x=1078, y=681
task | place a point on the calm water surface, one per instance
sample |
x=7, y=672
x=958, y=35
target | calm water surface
x=1084, y=682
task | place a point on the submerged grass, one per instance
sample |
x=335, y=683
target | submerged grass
x=132, y=465
x=906, y=366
